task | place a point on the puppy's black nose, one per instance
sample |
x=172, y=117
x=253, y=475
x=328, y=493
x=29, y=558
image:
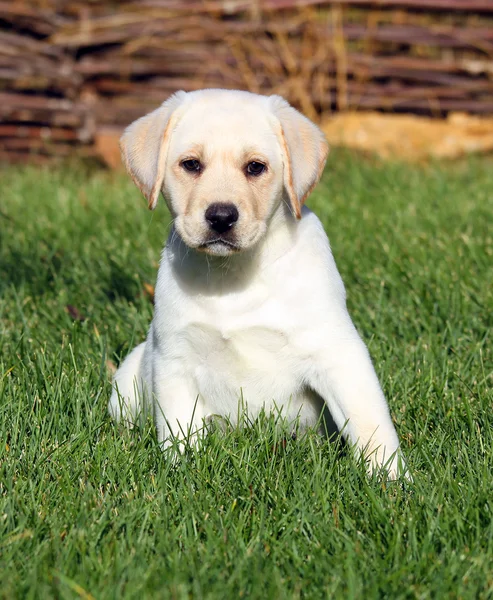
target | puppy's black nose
x=221, y=217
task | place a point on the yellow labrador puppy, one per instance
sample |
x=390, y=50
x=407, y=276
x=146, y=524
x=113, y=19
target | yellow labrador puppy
x=248, y=302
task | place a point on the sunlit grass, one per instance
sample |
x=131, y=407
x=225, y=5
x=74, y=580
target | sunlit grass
x=87, y=509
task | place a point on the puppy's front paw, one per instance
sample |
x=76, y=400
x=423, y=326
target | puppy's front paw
x=175, y=446
x=120, y=410
x=392, y=469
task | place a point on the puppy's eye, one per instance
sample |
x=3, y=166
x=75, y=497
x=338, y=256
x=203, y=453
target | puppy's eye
x=255, y=168
x=192, y=165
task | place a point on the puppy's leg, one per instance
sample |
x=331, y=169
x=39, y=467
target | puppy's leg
x=128, y=399
x=346, y=380
x=178, y=410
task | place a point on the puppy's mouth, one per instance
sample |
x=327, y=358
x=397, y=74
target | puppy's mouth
x=219, y=246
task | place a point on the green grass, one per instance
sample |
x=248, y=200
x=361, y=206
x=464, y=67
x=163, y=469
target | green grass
x=91, y=510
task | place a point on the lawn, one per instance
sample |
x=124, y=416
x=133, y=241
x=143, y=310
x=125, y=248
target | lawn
x=94, y=511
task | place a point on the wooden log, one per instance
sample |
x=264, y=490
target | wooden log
x=133, y=67
x=32, y=145
x=25, y=77
x=479, y=38
x=403, y=63
x=12, y=43
x=41, y=110
x=23, y=116
x=396, y=89
x=36, y=132
x=421, y=105
x=123, y=27
x=11, y=101
x=156, y=86
x=39, y=146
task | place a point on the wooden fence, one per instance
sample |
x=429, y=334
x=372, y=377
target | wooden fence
x=71, y=69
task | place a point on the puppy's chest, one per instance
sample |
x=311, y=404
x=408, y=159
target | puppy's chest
x=256, y=360
x=235, y=347
x=241, y=340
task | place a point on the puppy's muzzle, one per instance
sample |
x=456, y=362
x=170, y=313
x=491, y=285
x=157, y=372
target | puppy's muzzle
x=221, y=217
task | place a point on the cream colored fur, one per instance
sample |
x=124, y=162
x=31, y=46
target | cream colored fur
x=264, y=319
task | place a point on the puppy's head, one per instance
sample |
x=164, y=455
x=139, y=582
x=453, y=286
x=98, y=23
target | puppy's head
x=224, y=160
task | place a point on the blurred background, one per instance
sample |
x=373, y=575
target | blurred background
x=406, y=77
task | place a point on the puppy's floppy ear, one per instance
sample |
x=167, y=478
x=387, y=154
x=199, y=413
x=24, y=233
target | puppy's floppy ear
x=144, y=146
x=304, y=152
